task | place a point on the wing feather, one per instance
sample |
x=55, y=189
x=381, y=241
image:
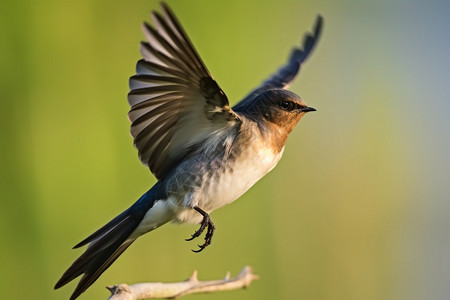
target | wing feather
x=175, y=103
x=287, y=73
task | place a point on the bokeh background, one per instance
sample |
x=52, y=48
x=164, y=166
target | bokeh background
x=358, y=207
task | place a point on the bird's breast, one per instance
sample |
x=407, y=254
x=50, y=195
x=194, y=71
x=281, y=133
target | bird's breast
x=237, y=175
x=221, y=173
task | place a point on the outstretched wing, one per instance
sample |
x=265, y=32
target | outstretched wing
x=175, y=103
x=287, y=73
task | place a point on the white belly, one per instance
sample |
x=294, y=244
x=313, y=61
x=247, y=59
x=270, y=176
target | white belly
x=243, y=175
x=237, y=178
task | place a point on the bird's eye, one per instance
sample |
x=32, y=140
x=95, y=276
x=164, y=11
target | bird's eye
x=286, y=105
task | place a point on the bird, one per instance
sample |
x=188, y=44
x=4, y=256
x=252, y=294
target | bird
x=203, y=153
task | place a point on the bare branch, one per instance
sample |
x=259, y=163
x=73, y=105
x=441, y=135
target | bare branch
x=192, y=285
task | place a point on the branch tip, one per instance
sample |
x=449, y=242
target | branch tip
x=194, y=276
x=227, y=276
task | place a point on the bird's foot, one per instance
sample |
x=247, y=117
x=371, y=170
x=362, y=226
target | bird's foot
x=206, y=222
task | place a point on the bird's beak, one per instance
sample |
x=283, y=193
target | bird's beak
x=307, y=109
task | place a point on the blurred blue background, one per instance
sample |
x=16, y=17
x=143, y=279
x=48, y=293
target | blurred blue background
x=358, y=208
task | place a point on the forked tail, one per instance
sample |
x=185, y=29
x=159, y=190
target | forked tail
x=106, y=245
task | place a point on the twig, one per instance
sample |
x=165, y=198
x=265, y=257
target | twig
x=192, y=285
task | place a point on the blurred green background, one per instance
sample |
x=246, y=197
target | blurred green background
x=358, y=208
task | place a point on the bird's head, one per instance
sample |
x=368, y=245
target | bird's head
x=281, y=108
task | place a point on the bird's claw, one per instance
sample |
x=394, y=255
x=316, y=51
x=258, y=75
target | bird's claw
x=198, y=232
x=199, y=250
x=206, y=222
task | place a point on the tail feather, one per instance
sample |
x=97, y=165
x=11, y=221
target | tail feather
x=110, y=241
x=101, y=253
x=96, y=268
x=105, y=229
